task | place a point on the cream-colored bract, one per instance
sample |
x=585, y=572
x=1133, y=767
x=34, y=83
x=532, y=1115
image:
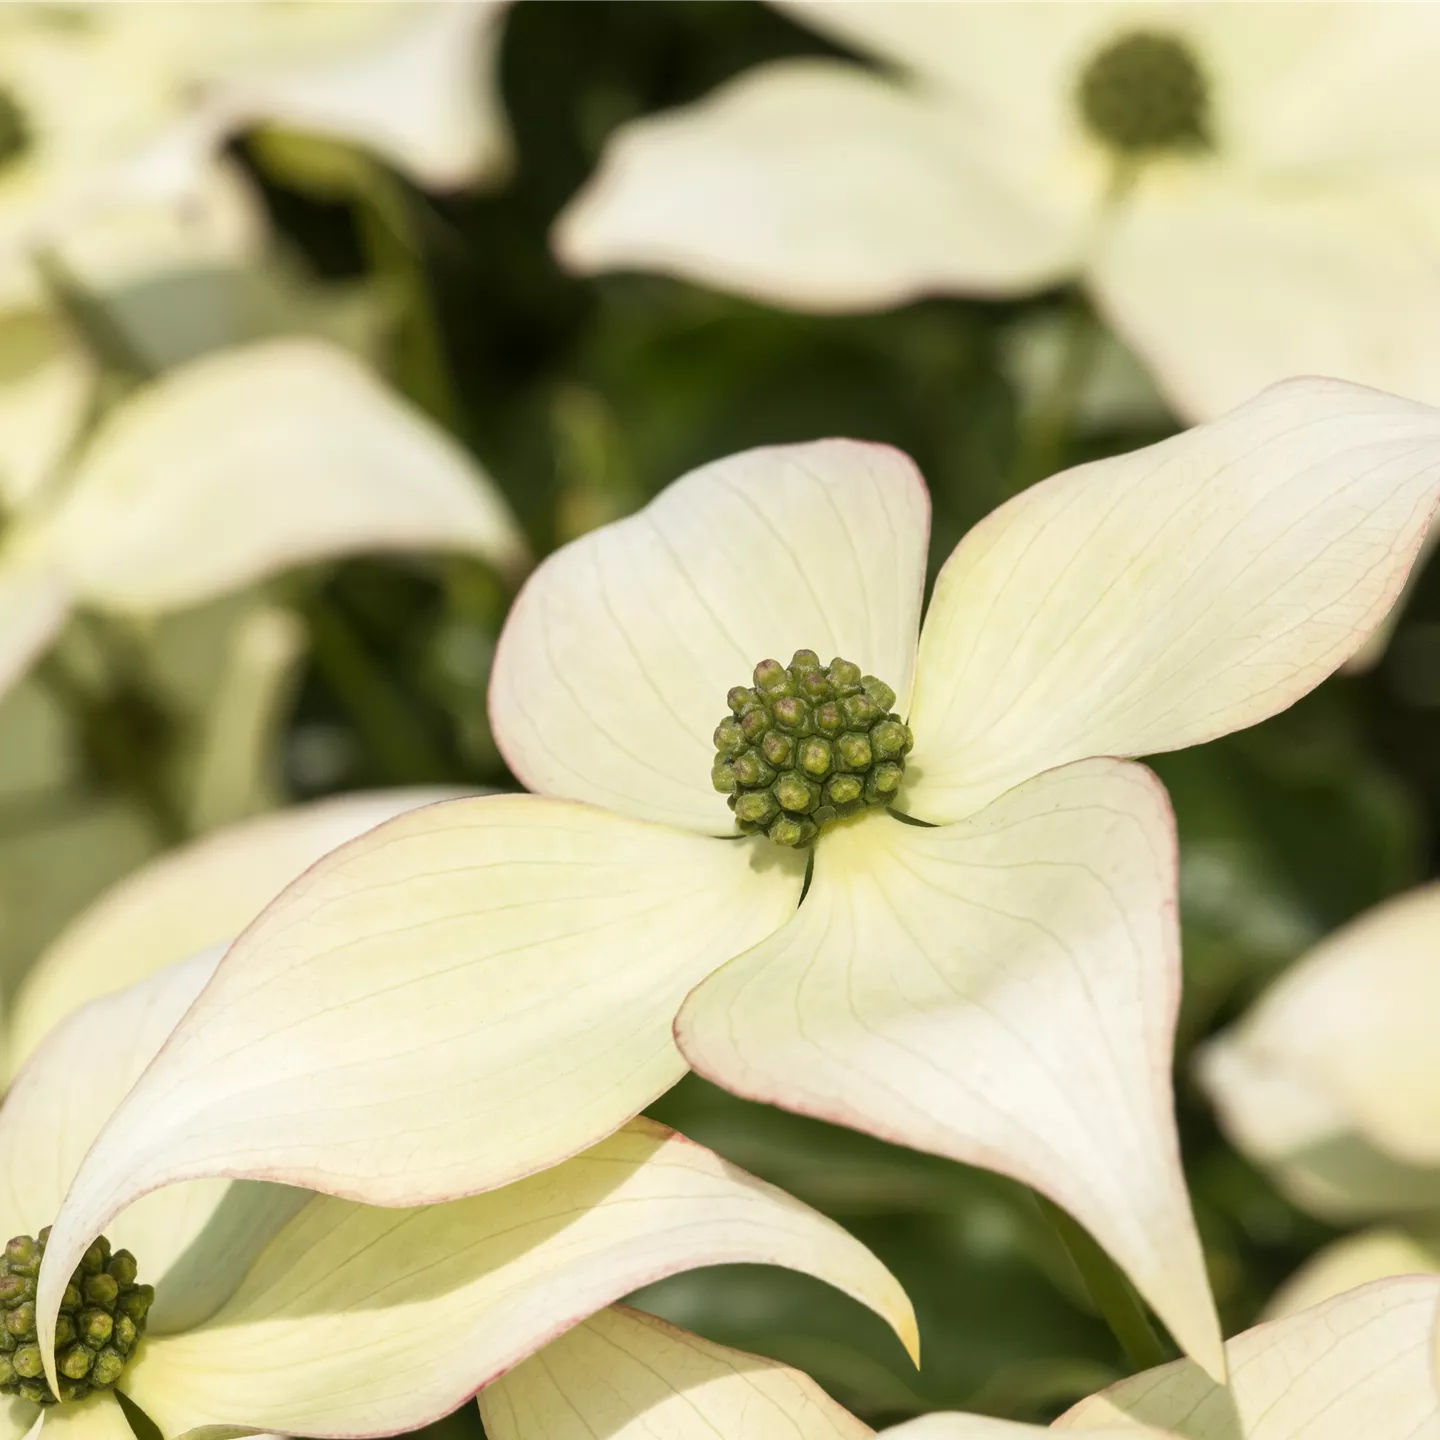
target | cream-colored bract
x=277, y=1309
x=1355, y=1260
x=186, y=901
x=1362, y=1363
x=1330, y=1083
x=1354, y=1022
x=1359, y=1365
x=624, y=1375
x=228, y=469
x=1302, y=242
x=422, y=974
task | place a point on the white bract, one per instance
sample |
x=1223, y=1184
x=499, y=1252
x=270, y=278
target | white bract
x=1332, y=1082
x=478, y=990
x=280, y=1310
x=223, y=472
x=1266, y=204
x=1359, y=1365
x=415, y=84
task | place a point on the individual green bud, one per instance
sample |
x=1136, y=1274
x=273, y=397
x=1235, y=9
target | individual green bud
x=759, y=807
x=70, y=1300
x=136, y=1303
x=27, y=1363
x=772, y=679
x=815, y=687
x=889, y=739
x=108, y=1368
x=804, y=662
x=882, y=782
x=844, y=790
x=792, y=714
x=830, y=718
x=751, y=769
x=37, y=1392
x=20, y=1320
x=15, y=1288
x=854, y=751
x=880, y=693
x=22, y=1255
x=64, y=1330
x=787, y=831
x=741, y=698
x=7, y=1371
x=96, y=1257
x=75, y=1362
x=754, y=723
x=95, y=1326
x=101, y=1289
x=816, y=757
x=861, y=711
x=796, y=794
x=778, y=749
x=844, y=676
x=729, y=737
x=126, y=1334
x=722, y=777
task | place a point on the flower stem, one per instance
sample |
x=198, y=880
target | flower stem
x=1114, y=1296
x=386, y=212
x=1048, y=431
x=392, y=732
x=116, y=353
x=115, y=744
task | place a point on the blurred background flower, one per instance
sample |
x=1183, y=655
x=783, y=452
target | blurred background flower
x=212, y=200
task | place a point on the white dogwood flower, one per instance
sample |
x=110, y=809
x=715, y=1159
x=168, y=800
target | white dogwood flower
x=1332, y=1083
x=110, y=111
x=415, y=84
x=226, y=470
x=259, y=1307
x=997, y=983
x=1247, y=192
x=87, y=123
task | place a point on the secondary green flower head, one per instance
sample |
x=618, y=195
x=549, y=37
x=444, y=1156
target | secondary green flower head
x=1145, y=93
x=808, y=745
x=102, y=1318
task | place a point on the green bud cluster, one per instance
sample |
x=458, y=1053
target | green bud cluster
x=1146, y=93
x=15, y=137
x=806, y=745
x=102, y=1318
